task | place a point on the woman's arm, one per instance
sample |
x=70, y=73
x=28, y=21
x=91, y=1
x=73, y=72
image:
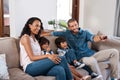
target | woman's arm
x=25, y=41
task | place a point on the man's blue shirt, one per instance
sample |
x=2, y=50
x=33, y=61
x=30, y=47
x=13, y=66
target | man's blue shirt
x=79, y=42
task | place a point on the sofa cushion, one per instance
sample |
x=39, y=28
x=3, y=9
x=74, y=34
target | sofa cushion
x=18, y=74
x=45, y=78
x=8, y=46
x=82, y=71
x=3, y=67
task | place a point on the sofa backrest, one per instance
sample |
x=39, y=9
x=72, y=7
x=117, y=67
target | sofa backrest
x=53, y=45
x=8, y=46
x=52, y=42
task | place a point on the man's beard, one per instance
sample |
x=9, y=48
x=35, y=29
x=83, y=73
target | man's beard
x=75, y=32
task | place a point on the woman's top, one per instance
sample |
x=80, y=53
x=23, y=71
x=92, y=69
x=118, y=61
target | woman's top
x=24, y=58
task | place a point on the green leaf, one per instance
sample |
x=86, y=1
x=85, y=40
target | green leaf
x=52, y=22
x=63, y=23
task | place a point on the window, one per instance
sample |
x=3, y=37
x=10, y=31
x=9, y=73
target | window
x=67, y=9
x=64, y=9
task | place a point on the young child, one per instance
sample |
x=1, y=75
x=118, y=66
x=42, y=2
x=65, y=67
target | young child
x=64, y=50
x=44, y=43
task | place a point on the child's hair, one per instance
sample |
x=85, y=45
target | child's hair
x=43, y=40
x=59, y=40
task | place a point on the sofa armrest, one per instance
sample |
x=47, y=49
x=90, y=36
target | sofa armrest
x=112, y=42
x=18, y=74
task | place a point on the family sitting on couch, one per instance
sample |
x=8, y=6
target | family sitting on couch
x=35, y=63
x=69, y=54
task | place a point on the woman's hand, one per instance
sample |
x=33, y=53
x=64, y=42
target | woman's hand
x=54, y=58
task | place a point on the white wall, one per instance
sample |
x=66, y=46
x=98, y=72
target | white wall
x=81, y=12
x=98, y=15
x=21, y=10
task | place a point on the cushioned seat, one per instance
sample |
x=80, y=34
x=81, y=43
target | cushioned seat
x=10, y=46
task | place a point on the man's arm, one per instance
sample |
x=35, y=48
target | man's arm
x=45, y=33
x=98, y=38
x=52, y=33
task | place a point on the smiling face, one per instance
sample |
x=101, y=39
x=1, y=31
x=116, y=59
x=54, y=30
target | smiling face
x=73, y=26
x=63, y=45
x=45, y=46
x=35, y=27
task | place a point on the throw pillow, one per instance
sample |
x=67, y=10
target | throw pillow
x=4, y=75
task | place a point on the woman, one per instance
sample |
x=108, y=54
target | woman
x=32, y=61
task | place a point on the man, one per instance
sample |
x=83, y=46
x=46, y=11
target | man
x=78, y=40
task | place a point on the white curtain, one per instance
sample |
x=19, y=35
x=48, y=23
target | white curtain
x=117, y=19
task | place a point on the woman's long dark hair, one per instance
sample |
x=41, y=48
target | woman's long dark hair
x=26, y=29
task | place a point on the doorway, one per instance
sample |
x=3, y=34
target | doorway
x=75, y=9
x=1, y=18
x=70, y=8
x=4, y=18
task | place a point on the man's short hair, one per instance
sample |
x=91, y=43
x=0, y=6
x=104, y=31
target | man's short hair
x=70, y=20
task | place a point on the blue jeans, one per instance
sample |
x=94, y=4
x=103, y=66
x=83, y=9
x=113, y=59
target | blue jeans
x=47, y=67
x=70, y=56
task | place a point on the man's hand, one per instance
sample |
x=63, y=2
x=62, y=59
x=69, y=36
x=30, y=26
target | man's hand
x=98, y=38
x=103, y=37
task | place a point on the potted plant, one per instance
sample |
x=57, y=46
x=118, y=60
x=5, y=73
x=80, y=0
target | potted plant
x=60, y=24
